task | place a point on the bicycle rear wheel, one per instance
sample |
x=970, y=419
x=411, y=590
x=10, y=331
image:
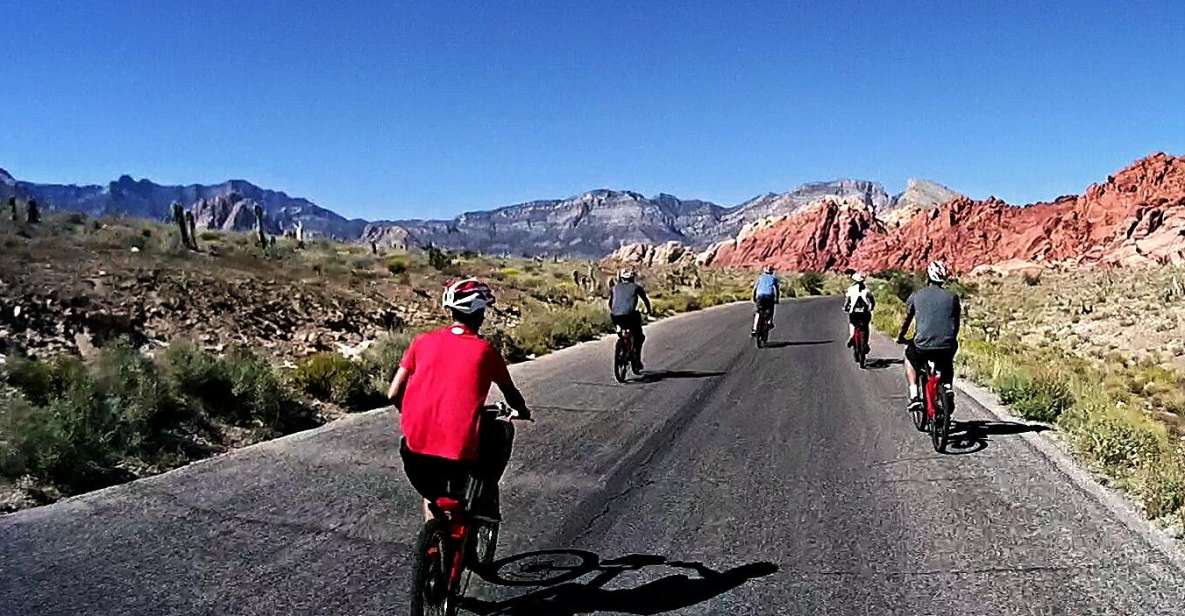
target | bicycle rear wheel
x=940, y=426
x=621, y=360
x=430, y=594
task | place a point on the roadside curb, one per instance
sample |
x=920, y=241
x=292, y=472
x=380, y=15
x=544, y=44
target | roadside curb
x=1057, y=452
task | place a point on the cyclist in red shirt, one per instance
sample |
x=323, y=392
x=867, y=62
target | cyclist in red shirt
x=439, y=389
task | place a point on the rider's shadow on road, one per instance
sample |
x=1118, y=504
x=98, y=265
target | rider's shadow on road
x=883, y=362
x=561, y=595
x=973, y=436
x=778, y=344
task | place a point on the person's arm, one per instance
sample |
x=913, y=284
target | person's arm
x=777, y=290
x=755, y=289
x=398, y=385
x=645, y=300
x=958, y=316
x=871, y=300
x=847, y=301
x=514, y=397
x=909, y=314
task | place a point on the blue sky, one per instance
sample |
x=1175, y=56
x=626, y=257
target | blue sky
x=393, y=109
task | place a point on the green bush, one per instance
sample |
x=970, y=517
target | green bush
x=396, y=265
x=329, y=377
x=812, y=283
x=241, y=387
x=1043, y=397
x=438, y=259
x=1162, y=484
x=544, y=330
x=382, y=359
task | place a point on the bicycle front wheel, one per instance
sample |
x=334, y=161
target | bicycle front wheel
x=430, y=593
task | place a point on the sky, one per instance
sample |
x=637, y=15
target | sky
x=428, y=109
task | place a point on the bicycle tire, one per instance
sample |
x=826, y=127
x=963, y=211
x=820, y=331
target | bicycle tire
x=939, y=428
x=919, y=412
x=429, y=592
x=621, y=360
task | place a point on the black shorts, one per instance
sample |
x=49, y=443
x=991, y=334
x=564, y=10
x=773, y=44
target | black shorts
x=765, y=303
x=434, y=477
x=944, y=359
x=860, y=319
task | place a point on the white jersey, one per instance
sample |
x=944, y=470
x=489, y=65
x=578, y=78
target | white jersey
x=858, y=300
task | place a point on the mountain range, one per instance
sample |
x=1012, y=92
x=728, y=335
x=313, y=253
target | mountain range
x=589, y=225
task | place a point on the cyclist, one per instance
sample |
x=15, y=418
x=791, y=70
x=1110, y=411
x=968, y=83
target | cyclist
x=938, y=315
x=623, y=309
x=859, y=304
x=765, y=296
x=439, y=389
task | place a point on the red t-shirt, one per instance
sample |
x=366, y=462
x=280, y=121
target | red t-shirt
x=451, y=370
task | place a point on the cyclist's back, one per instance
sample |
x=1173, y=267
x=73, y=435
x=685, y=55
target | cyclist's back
x=624, y=298
x=766, y=286
x=936, y=311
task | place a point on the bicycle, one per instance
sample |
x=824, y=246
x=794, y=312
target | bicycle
x=623, y=354
x=761, y=334
x=453, y=544
x=860, y=346
x=938, y=405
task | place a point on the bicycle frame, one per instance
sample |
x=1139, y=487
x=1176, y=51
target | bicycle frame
x=458, y=519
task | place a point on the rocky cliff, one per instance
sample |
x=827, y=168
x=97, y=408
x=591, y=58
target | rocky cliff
x=1136, y=217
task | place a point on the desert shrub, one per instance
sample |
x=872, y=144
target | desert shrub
x=903, y=284
x=544, y=330
x=329, y=377
x=811, y=282
x=94, y=417
x=1031, y=279
x=1114, y=438
x=209, y=236
x=382, y=359
x=439, y=260
x=396, y=265
x=1043, y=397
x=1162, y=484
x=35, y=380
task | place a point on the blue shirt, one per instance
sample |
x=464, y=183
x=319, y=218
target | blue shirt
x=767, y=286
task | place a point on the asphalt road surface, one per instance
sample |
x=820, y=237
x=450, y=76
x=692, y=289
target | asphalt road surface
x=729, y=480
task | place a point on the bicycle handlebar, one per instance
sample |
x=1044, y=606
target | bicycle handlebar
x=505, y=413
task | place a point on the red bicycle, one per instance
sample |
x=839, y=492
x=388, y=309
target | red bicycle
x=451, y=545
x=860, y=346
x=938, y=404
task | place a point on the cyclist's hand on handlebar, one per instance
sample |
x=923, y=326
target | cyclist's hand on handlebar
x=902, y=340
x=523, y=414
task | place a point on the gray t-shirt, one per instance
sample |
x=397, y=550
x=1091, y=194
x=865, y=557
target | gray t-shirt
x=624, y=298
x=936, y=312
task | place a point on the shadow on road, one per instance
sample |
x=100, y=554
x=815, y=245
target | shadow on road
x=653, y=376
x=556, y=572
x=883, y=362
x=778, y=344
x=973, y=436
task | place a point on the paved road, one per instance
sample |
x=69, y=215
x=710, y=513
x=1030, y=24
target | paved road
x=730, y=481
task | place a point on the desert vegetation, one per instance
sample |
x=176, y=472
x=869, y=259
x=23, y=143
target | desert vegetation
x=131, y=347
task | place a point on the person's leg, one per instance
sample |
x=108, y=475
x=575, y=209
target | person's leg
x=911, y=373
x=756, y=316
x=497, y=438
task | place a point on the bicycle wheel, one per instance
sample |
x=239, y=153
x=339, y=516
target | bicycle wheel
x=430, y=594
x=940, y=426
x=919, y=412
x=621, y=360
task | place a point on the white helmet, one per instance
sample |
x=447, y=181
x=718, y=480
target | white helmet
x=468, y=295
x=626, y=274
x=938, y=272
x=858, y=277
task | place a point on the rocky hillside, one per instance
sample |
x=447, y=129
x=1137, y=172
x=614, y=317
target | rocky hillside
x=590, y=225
x=1136, y=217
x=146, y=199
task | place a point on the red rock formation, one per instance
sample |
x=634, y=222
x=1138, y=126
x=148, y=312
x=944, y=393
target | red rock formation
x=1136, y=217
x=822, y=236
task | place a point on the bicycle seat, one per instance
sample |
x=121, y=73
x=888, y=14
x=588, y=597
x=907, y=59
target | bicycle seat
x=448, y=504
